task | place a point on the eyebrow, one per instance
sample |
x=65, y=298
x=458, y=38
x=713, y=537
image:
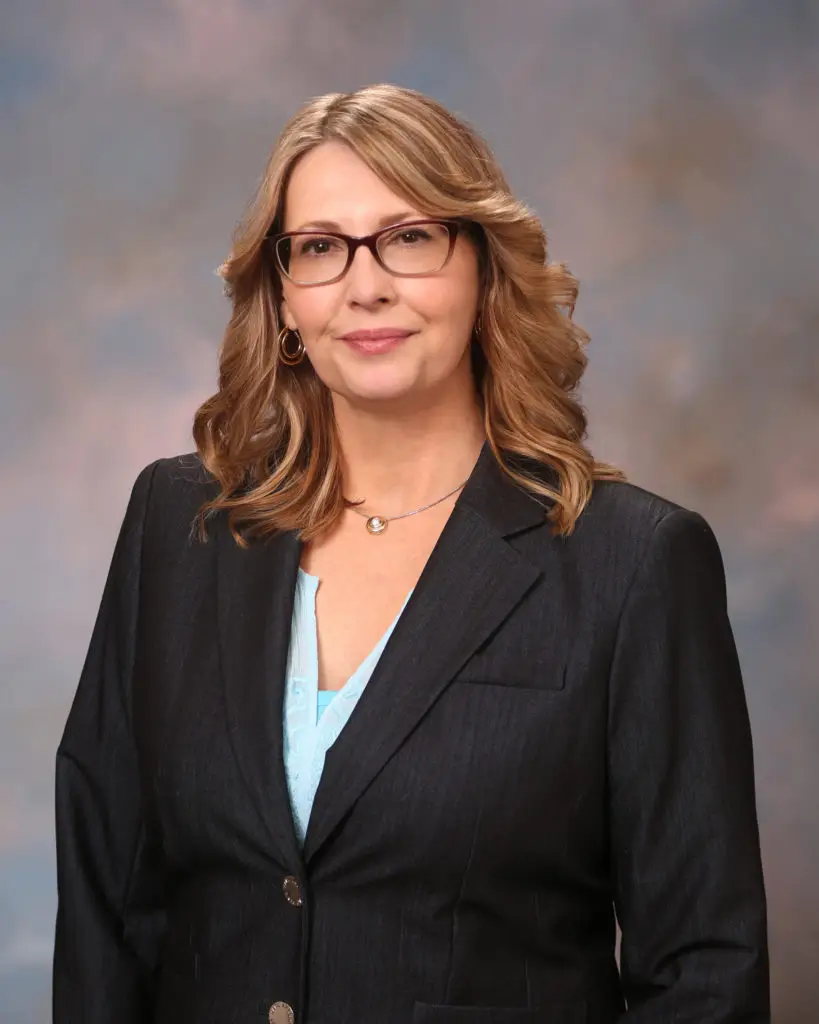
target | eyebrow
x=383, y=222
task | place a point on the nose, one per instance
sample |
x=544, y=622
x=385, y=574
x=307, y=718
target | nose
x=368, y=283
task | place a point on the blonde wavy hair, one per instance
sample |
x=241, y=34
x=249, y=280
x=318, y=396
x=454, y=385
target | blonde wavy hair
x=268, y=434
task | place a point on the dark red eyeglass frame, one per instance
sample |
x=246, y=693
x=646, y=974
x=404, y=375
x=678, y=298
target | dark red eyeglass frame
x=353, y=243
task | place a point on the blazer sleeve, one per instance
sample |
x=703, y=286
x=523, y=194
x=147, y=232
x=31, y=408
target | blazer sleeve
x=109, y=917
x=687, y=872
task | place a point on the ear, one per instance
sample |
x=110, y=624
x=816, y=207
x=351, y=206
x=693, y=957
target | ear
x=286, y=317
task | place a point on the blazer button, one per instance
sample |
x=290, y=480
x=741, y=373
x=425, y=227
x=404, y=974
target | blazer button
x=281, y=1013
x=292, y=892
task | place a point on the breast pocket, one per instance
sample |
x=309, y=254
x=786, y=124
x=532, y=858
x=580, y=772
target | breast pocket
x=515, y=666
x=431, y=1013
x=529, y=650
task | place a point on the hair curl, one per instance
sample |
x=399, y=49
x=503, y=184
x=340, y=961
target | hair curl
x=268, y=434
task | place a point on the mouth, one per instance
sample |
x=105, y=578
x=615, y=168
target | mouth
x=381, y=339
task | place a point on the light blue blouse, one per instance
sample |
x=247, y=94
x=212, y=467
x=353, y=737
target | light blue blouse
x=312, y=718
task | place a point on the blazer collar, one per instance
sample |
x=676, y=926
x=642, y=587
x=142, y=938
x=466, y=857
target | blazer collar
x=507, y=508
x=470, y=584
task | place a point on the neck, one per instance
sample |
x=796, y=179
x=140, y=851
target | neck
x=396, y=460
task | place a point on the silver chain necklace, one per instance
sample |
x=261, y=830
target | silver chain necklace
x=378, y=524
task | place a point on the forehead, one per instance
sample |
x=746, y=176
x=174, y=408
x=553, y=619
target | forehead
x=332, y=183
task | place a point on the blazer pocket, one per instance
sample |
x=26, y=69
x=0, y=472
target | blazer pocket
x=501, y=665
x=551, y=686
x=435, y=1013
x=482, y=672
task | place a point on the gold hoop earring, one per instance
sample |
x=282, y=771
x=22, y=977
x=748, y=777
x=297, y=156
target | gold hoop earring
x=478, y=328
x=287, y=357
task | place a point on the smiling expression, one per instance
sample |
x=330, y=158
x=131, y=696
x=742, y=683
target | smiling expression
x=372, y=336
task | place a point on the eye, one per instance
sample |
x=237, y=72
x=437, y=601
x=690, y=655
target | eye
x=319, y=246
x=409, y=237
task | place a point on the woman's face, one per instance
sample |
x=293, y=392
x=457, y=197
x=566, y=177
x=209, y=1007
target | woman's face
x=333, y=189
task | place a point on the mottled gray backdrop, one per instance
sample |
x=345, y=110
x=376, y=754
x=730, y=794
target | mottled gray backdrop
x=672, y=149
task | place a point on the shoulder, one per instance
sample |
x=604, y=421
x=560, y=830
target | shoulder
x=617, y=505
x=167, y=496
x=626, y=531
x=177, y=483
x=633, y=514
x=628, y=527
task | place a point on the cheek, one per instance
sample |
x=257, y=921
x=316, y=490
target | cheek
x=449, y=299
x=442, y=302
x=312, y=308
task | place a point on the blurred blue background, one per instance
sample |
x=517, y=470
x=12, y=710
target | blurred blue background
x=672, y=150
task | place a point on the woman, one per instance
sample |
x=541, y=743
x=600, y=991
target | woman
x=396, y=695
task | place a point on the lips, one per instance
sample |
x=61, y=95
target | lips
x=376, y=341
x=377, y=334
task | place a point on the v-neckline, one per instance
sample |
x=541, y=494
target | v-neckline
x=314, y=583
x=309, y=734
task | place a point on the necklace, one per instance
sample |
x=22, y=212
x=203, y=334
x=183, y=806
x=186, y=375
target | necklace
x=378, y=524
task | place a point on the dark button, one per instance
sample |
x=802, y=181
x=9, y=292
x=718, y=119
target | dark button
x=292, y=891
x=281, y=1013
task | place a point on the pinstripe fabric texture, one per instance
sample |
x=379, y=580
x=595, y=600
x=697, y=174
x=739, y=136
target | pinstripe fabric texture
x=555, y=730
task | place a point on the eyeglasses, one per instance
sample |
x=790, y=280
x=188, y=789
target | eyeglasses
x=412, y=249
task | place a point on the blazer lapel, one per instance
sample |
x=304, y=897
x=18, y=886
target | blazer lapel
x=255, y=594
x=470, y=584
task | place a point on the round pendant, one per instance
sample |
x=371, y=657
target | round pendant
x=375, y=524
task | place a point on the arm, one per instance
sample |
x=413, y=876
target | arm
x=109, y=918
x=685, y=847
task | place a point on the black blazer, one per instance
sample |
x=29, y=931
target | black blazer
x=556, y=728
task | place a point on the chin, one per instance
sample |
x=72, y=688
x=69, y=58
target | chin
x=376, y=395
x=384, y=386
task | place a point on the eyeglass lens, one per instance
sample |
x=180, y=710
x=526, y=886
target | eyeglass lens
x=316, y=258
